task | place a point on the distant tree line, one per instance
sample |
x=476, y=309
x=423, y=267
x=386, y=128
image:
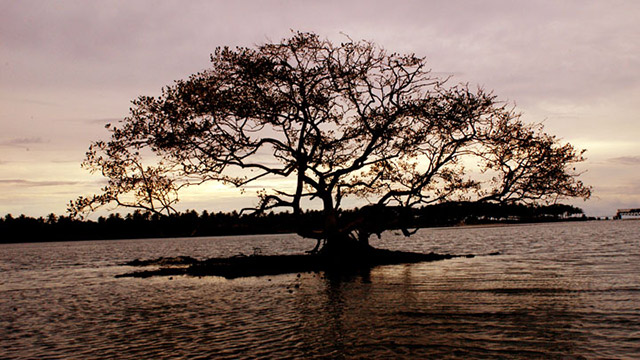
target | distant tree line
x=191, y=223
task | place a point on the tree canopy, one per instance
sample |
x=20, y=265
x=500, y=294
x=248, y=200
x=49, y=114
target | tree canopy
x=335, y=121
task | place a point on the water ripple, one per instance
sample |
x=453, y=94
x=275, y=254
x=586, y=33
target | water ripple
x=566, y=291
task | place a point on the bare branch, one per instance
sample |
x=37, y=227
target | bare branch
x=338, y=121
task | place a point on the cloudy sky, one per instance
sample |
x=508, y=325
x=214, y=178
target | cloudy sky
x=69, y=67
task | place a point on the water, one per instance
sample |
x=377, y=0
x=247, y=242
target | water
x=563, y=290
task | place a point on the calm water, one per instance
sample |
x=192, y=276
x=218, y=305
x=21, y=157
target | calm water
x=564, y=290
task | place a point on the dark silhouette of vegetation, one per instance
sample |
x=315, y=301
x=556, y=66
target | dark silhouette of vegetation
x=346, y=120
x=149, y=225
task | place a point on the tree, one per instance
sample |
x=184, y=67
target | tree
x=335, y=121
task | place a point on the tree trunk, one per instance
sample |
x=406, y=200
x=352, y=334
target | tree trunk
x=343, y=248
x=334, y=239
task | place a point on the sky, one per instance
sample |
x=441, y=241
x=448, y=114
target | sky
x=69, y=67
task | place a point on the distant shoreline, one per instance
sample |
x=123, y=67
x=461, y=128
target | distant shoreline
x=449, y=226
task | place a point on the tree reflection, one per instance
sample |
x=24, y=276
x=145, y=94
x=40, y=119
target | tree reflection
x=417, y=310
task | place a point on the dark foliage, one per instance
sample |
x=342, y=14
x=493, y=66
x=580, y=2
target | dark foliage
x=328, y=122
x=190, y=223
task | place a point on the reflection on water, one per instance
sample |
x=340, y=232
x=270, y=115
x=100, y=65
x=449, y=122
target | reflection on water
x=567, y=290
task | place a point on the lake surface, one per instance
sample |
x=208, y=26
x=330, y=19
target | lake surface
x=561, y=290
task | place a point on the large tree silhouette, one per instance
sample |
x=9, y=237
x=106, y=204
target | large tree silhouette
x=336, y=121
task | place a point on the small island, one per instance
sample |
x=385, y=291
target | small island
x=262, y=265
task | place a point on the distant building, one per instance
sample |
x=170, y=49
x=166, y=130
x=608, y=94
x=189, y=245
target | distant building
x=628, y=214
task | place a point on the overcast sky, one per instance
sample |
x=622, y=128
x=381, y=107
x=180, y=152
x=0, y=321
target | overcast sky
x=69, y=67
